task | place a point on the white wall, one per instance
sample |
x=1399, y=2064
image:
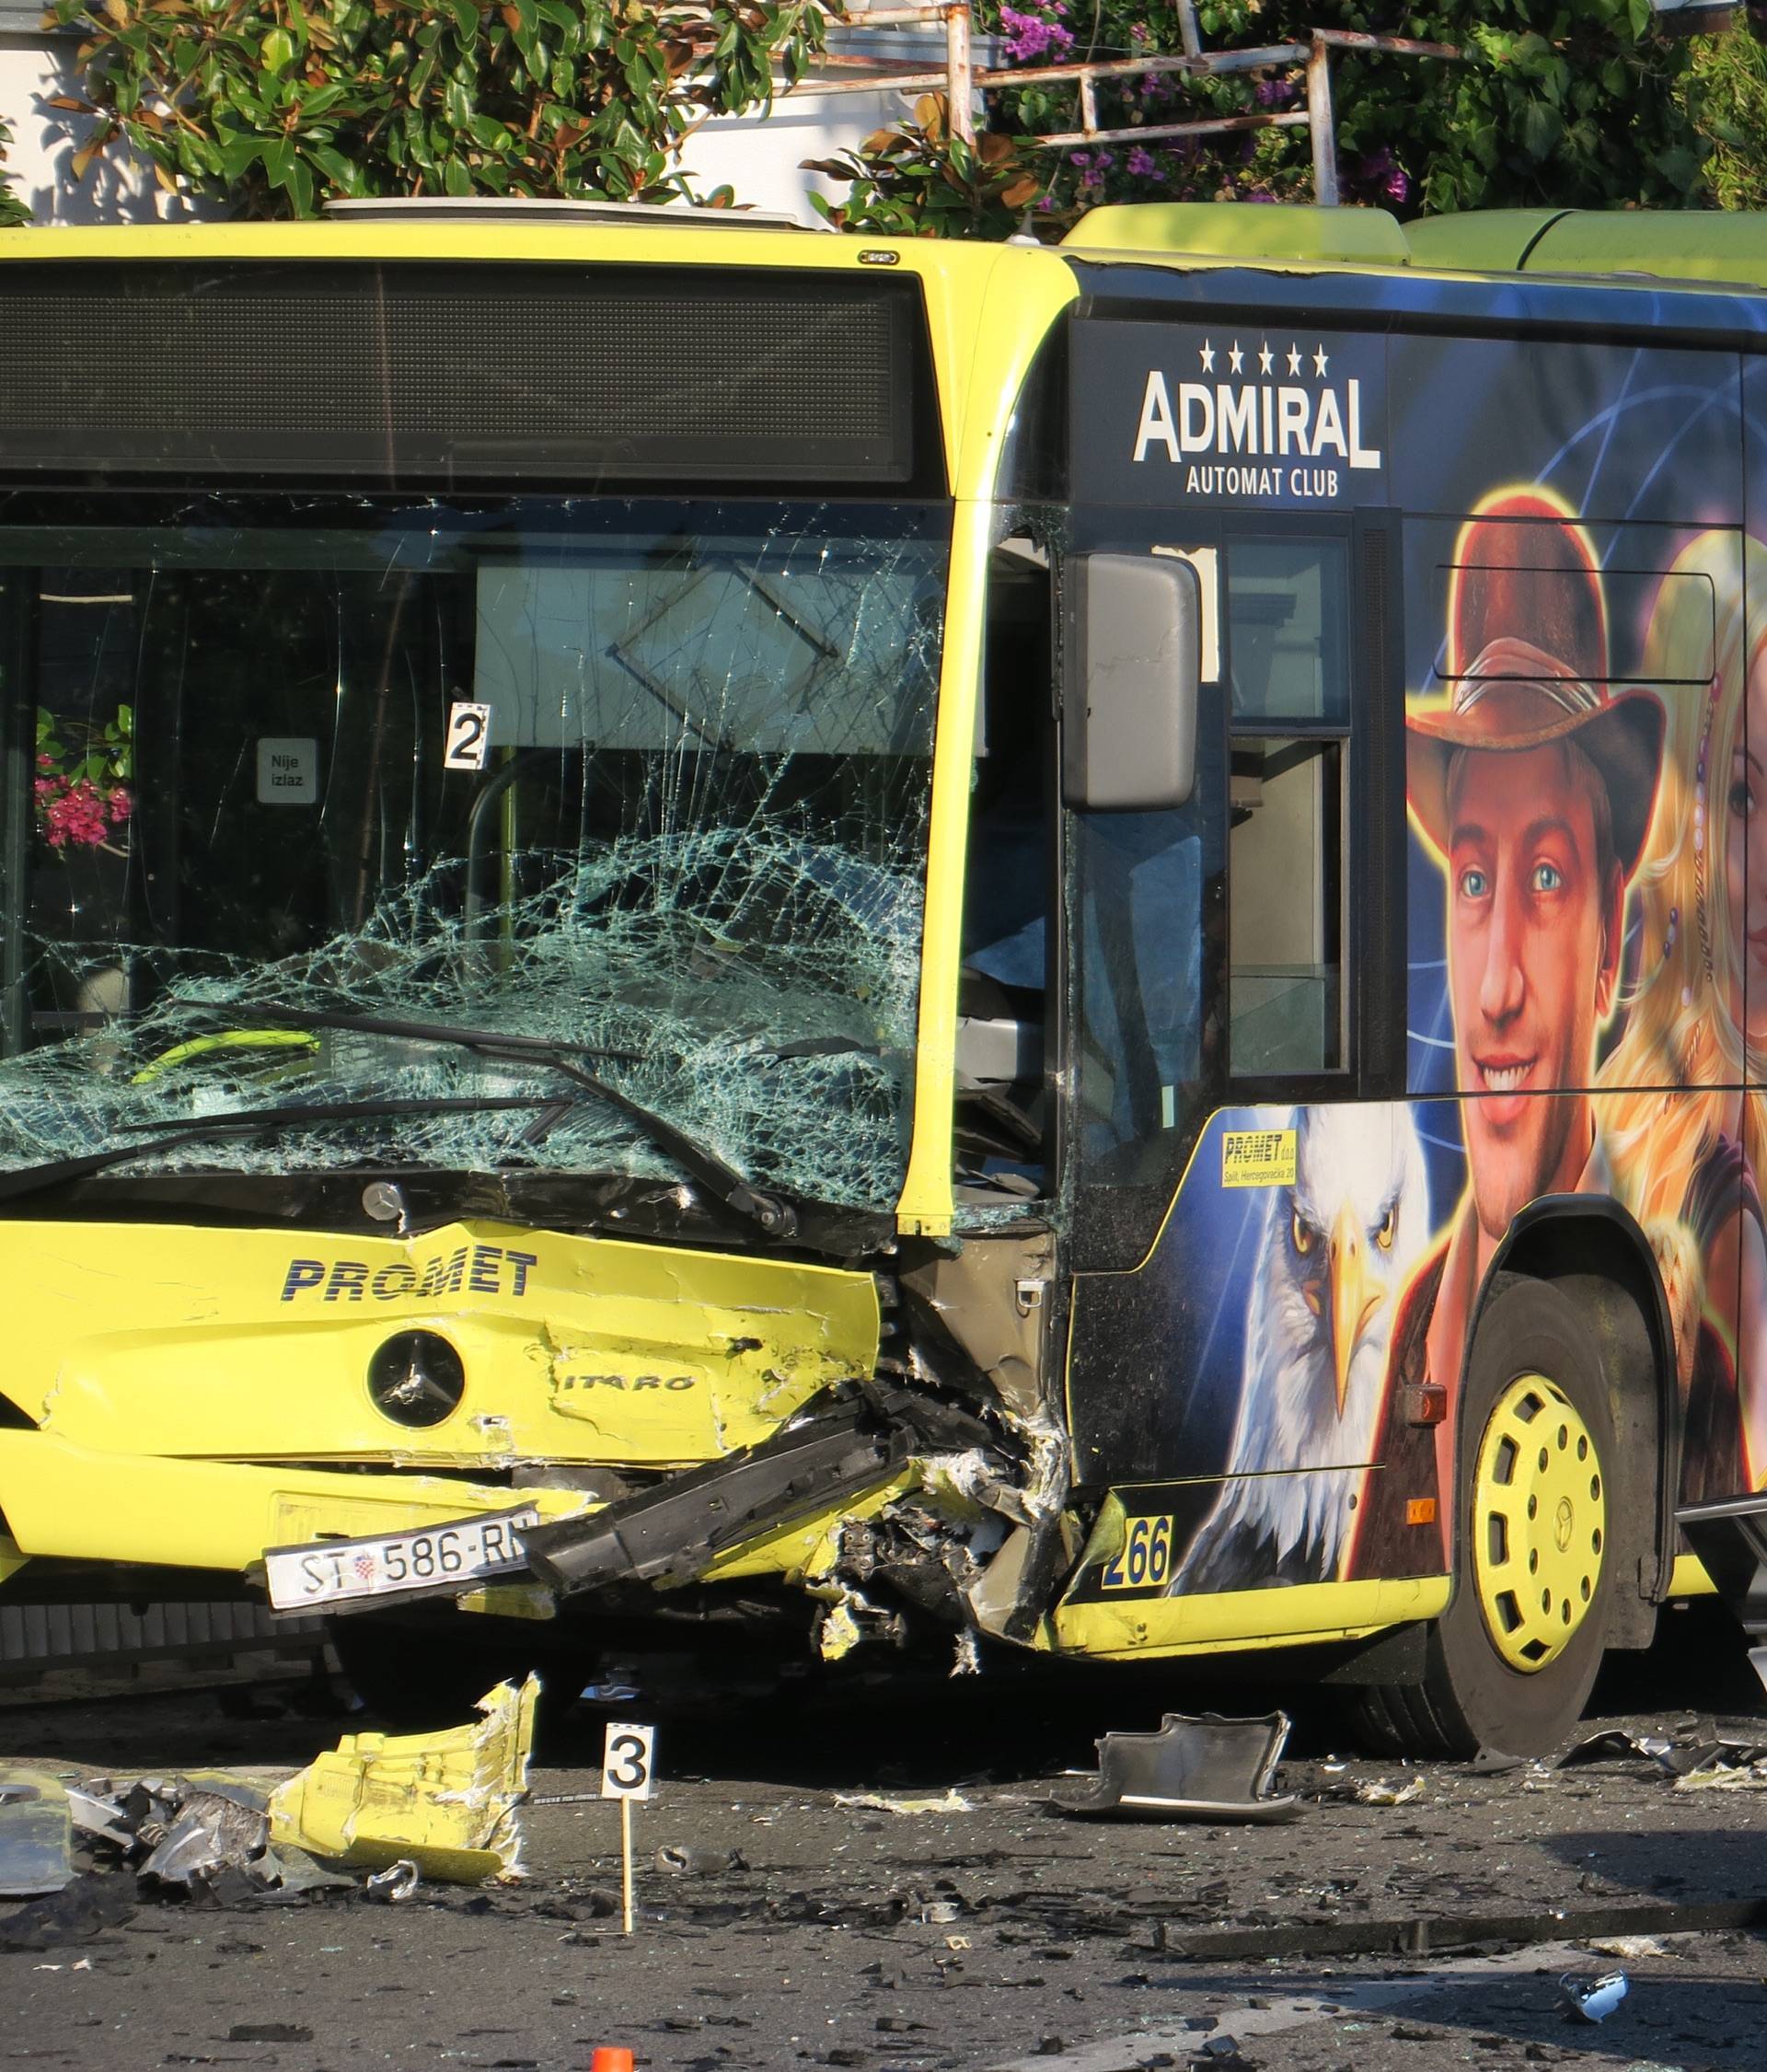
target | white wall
x=758, y=155
x=44, y=139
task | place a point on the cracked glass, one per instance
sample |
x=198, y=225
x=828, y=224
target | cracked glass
x=694, y=850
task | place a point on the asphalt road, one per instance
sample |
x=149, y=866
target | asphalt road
x=1003, y=1935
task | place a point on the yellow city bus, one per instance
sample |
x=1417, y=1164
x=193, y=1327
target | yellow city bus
x=722, y=935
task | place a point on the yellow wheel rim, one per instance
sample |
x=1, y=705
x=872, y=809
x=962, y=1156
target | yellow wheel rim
x=1538, y=1523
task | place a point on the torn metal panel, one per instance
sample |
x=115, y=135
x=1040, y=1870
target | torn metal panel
x=213, y=1830
x=445, y=1802
x=992, y=1296
x=997, y=1594
x=1204, y=1768
x=98, y=1819
x=36, y=1834
x=1011, y=1600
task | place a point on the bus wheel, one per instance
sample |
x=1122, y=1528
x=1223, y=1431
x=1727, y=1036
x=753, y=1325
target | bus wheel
x=1510, y=1662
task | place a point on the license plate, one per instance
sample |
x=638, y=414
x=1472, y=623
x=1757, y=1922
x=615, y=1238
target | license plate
x=437, y=1557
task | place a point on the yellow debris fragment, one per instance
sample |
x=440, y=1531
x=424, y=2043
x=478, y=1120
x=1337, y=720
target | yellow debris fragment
x=446, y=1800
x=947, y=1802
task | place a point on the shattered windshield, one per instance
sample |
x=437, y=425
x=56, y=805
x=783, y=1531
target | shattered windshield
x=647, y=780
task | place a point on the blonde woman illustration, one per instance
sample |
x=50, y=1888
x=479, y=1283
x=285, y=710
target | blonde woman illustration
x=1686, y=1126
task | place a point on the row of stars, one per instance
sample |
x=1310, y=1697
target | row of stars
x=1266, y=359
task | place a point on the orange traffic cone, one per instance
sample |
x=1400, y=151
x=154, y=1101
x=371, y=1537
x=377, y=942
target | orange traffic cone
x=610, y=2058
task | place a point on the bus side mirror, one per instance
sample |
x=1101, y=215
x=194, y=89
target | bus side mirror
x=1129, y=717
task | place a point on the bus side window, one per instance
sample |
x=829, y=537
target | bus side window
x=1289, y=928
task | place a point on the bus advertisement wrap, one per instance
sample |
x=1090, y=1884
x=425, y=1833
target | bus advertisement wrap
x=1585, y=731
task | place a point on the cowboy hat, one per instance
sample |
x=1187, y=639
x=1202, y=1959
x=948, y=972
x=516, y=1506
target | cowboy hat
x=1526, y=605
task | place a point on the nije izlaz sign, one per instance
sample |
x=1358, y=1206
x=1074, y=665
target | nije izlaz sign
x=1177, y=414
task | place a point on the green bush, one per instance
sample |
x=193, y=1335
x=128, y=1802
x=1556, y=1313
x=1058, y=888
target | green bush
x=1580, y=104
x=278, y=104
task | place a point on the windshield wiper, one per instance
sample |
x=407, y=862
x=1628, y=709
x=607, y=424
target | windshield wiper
x=541, y=1047
x=413, y=1032
x=723, y=1181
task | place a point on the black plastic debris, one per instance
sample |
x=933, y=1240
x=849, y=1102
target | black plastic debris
x=1204, y=1767
x=80, y=1911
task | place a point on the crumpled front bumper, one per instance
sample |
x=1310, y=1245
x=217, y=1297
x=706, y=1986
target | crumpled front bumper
x=815, y=1505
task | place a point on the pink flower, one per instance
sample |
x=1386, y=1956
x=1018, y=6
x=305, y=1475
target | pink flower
x=77, y=815
x=1030, y=36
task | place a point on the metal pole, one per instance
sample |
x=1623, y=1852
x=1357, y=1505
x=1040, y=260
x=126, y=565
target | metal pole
x=960, y=91
x=1219, y=125
x=1187, y=29
x=1320, y=121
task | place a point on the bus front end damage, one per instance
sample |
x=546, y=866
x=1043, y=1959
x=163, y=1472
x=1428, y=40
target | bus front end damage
x=568, y=1427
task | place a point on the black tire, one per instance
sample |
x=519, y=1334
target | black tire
x=420, y=1673
x=1472, y=1696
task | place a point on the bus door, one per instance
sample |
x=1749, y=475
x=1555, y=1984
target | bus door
x=1229, y=961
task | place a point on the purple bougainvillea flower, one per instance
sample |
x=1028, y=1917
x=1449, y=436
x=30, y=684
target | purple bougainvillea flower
x=1031, y=36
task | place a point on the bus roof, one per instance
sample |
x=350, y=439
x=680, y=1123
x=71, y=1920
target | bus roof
x=1715, y=246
